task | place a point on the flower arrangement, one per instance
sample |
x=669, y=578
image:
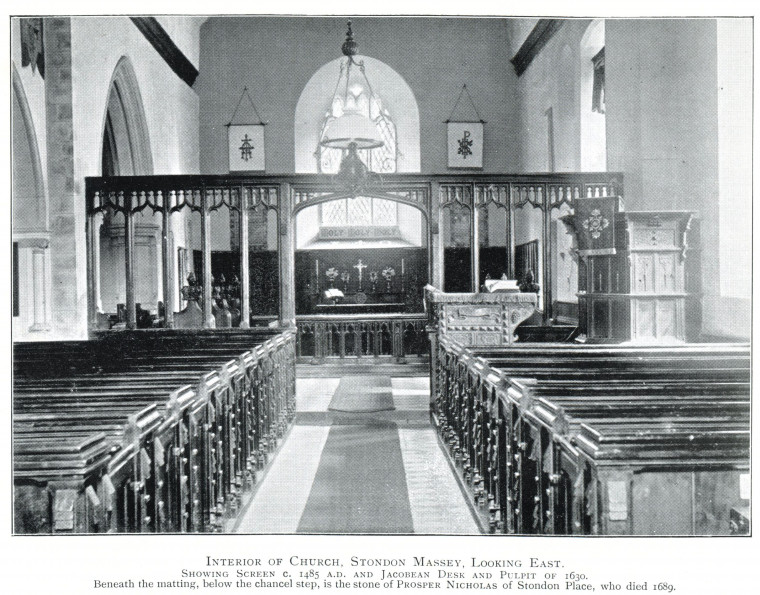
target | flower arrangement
x=373, y=276
x=388, y=273
x=331, y=273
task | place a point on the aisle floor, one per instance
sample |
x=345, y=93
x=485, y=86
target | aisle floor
x=359, y=472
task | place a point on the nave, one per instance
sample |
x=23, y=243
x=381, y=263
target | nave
x=361, y=457
x=173, y=432
x=154, y=390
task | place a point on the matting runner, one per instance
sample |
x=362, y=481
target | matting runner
x=363, y=394
x=360, y=485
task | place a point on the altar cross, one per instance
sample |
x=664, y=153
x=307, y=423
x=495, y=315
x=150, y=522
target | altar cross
x=360, y=266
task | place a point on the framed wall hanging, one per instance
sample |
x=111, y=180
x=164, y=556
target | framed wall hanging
x=465, y=137
x=245, y=141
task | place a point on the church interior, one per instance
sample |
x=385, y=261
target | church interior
x=381, y=275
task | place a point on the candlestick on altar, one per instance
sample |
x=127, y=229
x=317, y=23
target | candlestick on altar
x=316, y=270
x=403, y=276
x=402, y=266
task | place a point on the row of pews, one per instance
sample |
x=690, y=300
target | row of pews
x=599, y=440
x=146, y=431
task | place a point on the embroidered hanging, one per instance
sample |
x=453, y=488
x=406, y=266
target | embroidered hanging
x=246, y=140
x=595, y=225
x=465, y=137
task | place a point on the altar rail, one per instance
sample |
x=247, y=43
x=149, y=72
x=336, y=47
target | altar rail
x=375, y=337
x=569, y=439
x=146, y=431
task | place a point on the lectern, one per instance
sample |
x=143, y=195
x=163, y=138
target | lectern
x=474, y=319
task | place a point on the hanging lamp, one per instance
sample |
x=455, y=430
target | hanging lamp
x=351, y=130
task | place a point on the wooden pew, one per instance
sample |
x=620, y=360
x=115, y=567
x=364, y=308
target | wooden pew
x=518, y=441
x=209, y=417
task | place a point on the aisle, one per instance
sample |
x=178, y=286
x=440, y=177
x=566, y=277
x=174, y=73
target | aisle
x=376, y=468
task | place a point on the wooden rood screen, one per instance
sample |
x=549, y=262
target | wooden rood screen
x=146, y=431
x=568, y=439
x=133, y=211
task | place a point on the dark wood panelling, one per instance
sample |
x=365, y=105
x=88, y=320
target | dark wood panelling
x=309, y=286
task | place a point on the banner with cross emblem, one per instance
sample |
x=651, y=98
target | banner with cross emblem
x=465, y=134
x=465, y=144
x=246, y=147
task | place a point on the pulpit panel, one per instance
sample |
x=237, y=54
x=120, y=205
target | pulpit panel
x=643, y=251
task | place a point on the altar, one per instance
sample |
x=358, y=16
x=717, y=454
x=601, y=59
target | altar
x=360, y=308
x=361, y=281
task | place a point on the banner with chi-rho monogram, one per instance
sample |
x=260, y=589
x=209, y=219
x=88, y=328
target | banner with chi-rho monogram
x=246, y=147
x=465, y=140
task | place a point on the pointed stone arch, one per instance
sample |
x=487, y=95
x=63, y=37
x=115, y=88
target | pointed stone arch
x=125, y=151
x=125, y=130
x=30, y=212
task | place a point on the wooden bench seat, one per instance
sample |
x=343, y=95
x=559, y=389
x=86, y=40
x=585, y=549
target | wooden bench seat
x=540, y=431
x=185, y=421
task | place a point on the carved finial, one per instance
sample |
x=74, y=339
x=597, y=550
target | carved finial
x=349, y=46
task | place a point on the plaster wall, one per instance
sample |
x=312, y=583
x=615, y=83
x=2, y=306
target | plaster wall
x=552, y=80
x=662, y=131
x=185, y=33
x=435, y=56
x=171, y=107
x=83, y=53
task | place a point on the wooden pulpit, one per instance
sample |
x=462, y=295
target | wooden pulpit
x=632, y=276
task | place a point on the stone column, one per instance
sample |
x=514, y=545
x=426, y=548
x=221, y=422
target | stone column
x=67, y=210
x=40, y=319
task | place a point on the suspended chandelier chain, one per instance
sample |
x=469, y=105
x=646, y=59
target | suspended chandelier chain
x=353, y=130
x=371, y=92
x=337, y=83
x=348, y=80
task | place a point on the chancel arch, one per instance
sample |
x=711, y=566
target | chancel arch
x=126, y=151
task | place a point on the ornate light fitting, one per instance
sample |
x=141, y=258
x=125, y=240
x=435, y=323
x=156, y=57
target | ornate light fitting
x=352, y=130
